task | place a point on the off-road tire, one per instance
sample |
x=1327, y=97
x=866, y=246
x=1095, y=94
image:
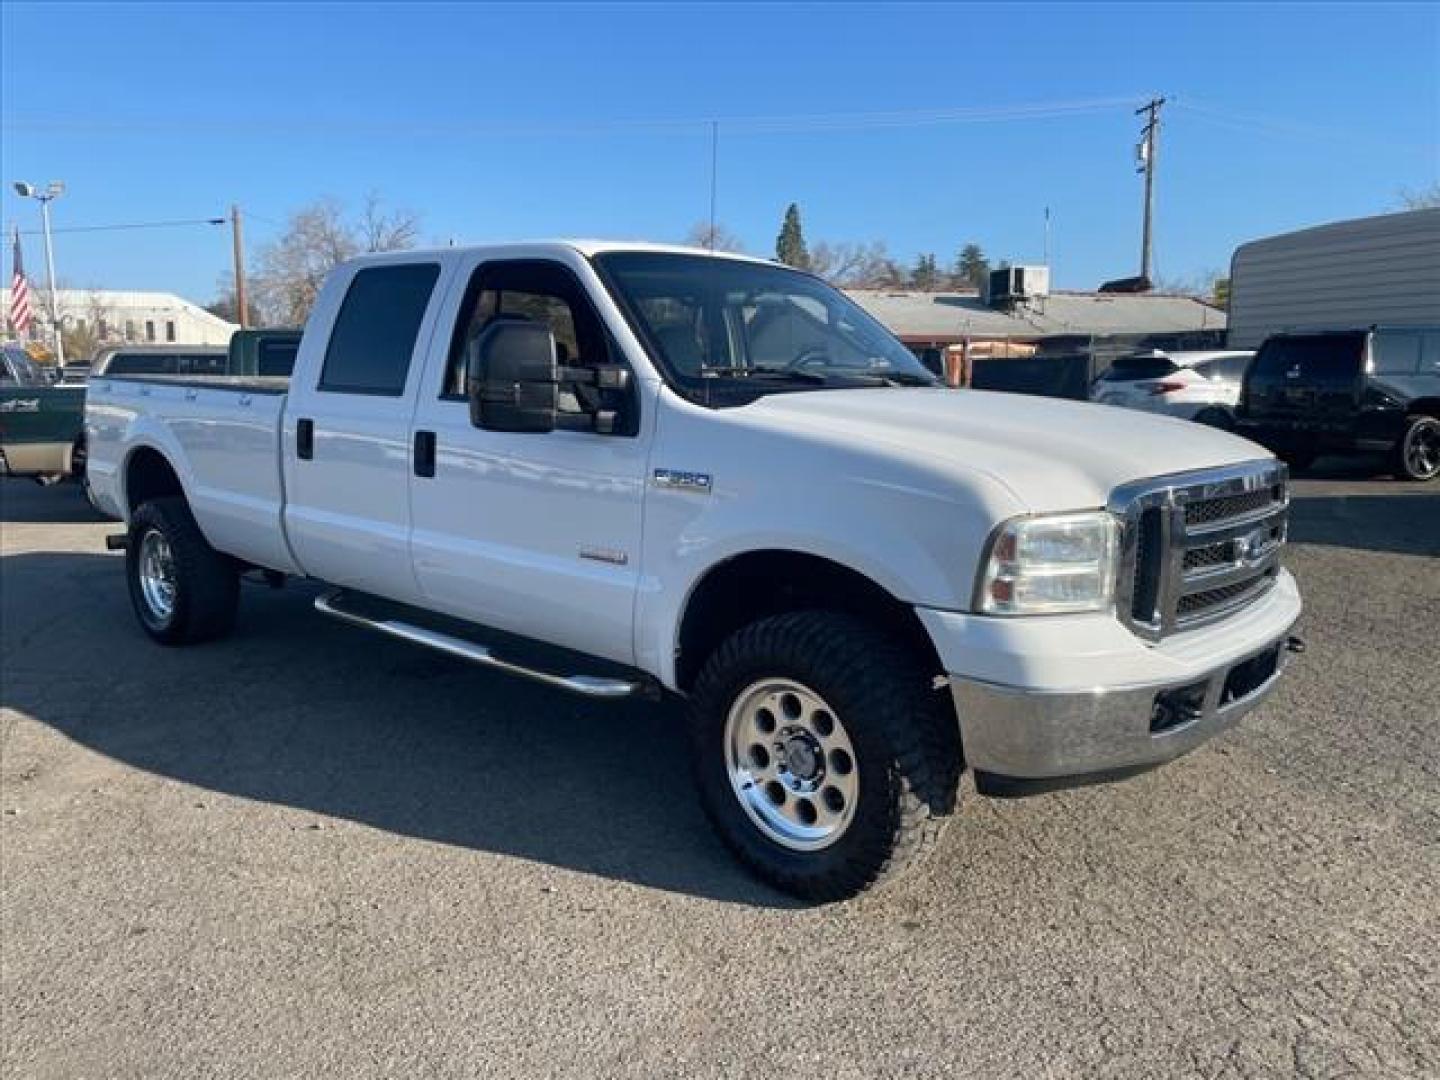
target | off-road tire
x=207, y=583
x=1404, y=461
x=903, y=731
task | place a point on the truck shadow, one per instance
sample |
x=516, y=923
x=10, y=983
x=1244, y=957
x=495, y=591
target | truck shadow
x=23, y=500
x=1404, y=522
x=302, y=712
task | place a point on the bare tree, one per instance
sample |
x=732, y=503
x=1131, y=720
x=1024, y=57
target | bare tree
x=395, y=231
x=85, y=333
x=1420, y=198
x=715, y=237
x=316, y=239
x=855, y=265
x=226, y=307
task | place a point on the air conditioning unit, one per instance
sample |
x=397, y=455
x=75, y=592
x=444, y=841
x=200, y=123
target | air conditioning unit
x=1015, y=283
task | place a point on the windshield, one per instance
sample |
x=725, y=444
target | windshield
x=20, y=369
x=716, y=323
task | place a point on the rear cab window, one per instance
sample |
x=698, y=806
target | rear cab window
x=1311, y=356
x=373, y=339
x=276, y=358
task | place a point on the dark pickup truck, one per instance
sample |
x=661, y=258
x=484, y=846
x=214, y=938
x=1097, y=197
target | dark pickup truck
x=42, y=424
x=1348, y=391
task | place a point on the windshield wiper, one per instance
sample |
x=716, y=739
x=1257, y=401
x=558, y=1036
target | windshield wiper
x=905, y=378
x=787, y=374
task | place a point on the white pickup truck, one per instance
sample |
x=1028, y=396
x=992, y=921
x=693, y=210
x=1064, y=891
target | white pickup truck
x=622, y=469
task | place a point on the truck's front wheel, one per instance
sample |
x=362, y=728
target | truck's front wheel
x=183, y=590
x=823, y=756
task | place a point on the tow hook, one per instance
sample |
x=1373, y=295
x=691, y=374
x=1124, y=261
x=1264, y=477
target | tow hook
x=1294, y=644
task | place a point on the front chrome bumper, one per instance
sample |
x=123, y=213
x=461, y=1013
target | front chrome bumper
x=1020, y=740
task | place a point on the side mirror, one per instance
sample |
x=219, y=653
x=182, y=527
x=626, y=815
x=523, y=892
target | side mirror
x=512, y=378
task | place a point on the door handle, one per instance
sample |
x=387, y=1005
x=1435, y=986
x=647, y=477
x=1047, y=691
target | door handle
x=424, y=453
x=305, y=439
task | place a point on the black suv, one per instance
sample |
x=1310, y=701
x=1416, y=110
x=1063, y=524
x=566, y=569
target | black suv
x=1348, y=391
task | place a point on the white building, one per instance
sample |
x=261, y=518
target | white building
x=118, y=315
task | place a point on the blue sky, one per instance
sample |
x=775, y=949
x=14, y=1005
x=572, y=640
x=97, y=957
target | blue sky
x=506, y=122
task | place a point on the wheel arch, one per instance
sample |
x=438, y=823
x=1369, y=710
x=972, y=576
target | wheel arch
x=1424, y=406
x=148, y=474
x=756, y=584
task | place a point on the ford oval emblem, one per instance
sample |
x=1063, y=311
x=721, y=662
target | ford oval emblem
x=1255, y=545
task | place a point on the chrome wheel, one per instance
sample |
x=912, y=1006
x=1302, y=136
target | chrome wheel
x=791, y=764
x=1422, y=450
x=157, y=575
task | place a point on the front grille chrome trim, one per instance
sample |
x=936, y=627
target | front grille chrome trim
x=1154, y=515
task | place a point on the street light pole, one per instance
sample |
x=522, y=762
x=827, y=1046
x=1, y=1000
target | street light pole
x=50, y=284
x=52, y=191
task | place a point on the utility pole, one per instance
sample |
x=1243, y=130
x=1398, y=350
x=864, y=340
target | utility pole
x=237, y=237
x=1145, y=153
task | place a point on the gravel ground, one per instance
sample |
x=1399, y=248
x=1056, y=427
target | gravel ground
x=309, y=851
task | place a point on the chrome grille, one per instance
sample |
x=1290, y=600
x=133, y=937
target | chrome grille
x=1199, y=546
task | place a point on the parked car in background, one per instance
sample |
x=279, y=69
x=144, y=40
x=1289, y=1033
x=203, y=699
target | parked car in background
x=160, y=360
x=265, y=353
x=618, y=469
x=41, y=422
x=1345, y=392
x=1203, y=386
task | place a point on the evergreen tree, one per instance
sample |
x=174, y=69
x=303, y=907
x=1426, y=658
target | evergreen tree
x=971, y=268
x=926, y=275
x=790, y=244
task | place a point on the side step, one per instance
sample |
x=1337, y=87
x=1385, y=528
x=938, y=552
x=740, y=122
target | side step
x=585, y=685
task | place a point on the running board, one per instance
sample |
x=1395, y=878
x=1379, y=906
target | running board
x=585, y=685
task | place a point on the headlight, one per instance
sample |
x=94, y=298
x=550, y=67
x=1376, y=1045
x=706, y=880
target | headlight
x=1050, y=564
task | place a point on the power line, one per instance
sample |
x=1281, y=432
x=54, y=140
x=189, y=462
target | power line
x=130, y=225
x=761, y=124
x=1267, y=125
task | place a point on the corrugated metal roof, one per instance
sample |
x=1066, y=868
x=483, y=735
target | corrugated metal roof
x=950, y=316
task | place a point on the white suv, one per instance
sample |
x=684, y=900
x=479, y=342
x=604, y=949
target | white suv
x=1203, y=386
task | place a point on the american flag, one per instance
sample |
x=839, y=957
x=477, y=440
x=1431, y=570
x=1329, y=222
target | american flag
x=19, y=294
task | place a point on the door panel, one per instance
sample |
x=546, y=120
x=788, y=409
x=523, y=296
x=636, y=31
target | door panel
x=534, y=534
x=347, y=511
x=538, y=535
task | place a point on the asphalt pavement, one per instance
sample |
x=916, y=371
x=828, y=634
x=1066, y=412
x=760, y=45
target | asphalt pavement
x=311, y=851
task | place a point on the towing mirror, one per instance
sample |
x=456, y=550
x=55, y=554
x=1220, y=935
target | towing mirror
x=512, y=378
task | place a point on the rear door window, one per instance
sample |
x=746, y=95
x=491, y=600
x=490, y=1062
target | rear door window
x=1430, y=355
x=374, y=335
x=1397, y=353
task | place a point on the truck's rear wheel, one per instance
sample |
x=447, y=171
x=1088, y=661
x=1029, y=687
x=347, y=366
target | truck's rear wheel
x=183, y=590
x=1417, y=454
x=823, y=756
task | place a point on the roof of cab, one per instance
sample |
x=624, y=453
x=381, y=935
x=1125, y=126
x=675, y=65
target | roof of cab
x=587, y=248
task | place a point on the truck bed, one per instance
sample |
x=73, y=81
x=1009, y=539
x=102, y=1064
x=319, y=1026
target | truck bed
x=221, y=432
